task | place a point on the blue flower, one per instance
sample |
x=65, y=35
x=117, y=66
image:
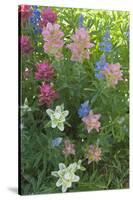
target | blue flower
x=35, y=19
x=56, y=142
x=100, y=65
x=35, y=7
x=106, y=44
x=99, y=75
x=80, y=21
x=84, y=109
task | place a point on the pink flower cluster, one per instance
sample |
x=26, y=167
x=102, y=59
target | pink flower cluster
x=47, y=94
x=94, y=153
x=92, y=121
x=112, y=74
x=69, y=148
x=25, y=12
x=25, y=45
x=80, y=45
x=47, y=15
x=53, y=40
x=44, y=71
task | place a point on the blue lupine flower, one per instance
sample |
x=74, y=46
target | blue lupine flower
x=35, y=7
x=84, y=109
x=56, y=142
x=100, y=65
x=35, y=19
x=99, y=75
x=80, y=21
x=106, y=44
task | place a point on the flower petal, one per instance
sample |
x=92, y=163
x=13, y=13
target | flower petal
x=58, y=109
x=60, y=126
x=59, y=182
x=64, y=188
x=55, y=173
x=65, y=113
x=76, y=178
x=69, y=184
x=54, y=124
x=73, y=166
x=62, y=166
x=49, y=112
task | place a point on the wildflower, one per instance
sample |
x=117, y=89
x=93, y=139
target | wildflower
x=25, y=108
x=79, y=166
x=58, y=117
x=113, y=74
x=44, y=71
x=106, y=44
x=56, y=142
x=80, y=21
x=80, y=45
x=94, y=153
x=27, y=73
x=25, y=12
x=84, y=109
x=69, y=148
x=34, y=20
x=47, y=94
x=100, y=65
x=47, y=16
x=67, y=175
x=53, y=40
x=92, y=121
x=25, y=45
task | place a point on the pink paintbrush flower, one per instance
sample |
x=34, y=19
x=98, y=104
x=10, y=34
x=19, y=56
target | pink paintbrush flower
x=113, y=74
x=47, y=16
x=52, y=37
x=44, y=71
x=92, y=121
x=47, y=94
x=80, y=45
x=25, y=45
x=25, y=12
x=94, y=153
x=69, y=148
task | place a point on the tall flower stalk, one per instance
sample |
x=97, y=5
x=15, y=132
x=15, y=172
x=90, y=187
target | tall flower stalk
x=80, y=45
x=53, y=40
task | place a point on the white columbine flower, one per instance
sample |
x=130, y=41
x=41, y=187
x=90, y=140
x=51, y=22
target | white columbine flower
x=58, y=117
x=25, y=108
x=67, y=175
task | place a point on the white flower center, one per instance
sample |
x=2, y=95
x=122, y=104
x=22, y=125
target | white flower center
x=57, y=115
x=67, y=176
